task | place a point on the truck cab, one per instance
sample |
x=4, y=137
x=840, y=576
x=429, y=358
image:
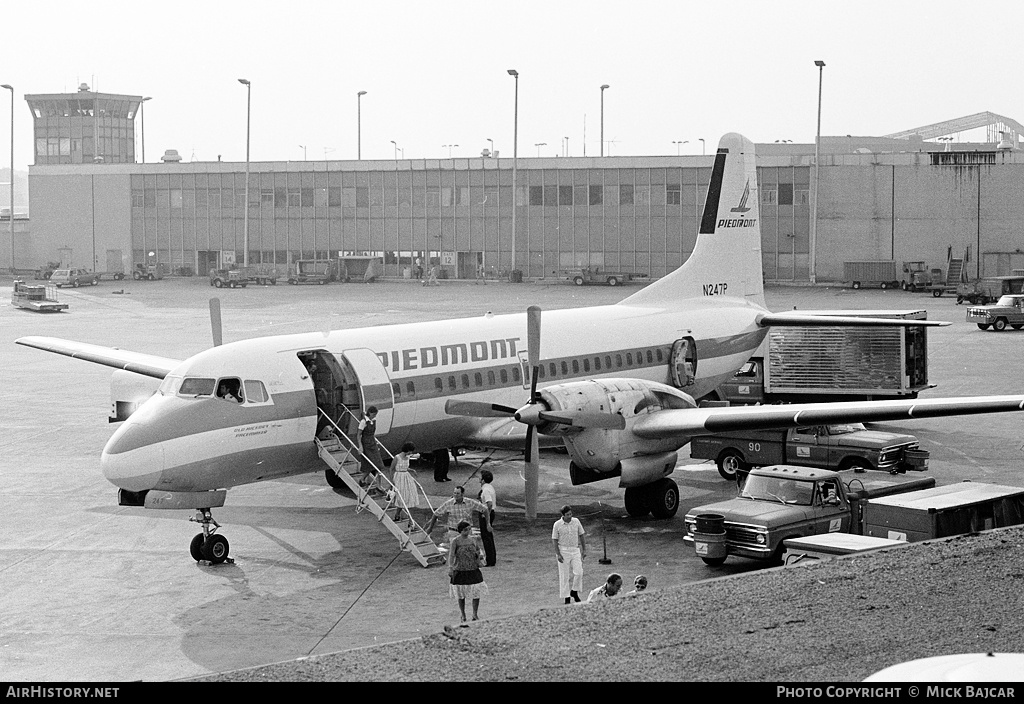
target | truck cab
x=1008, y=310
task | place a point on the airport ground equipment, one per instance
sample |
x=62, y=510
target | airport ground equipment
x=916, y=275
x=343, y=459
x=806, y=364
x=989, y=289
x=228, y=278
x=37, y=297
x=842, y=446
x=784, y=501
x=956, y=275
x=261, y=274
x=882, y=274
x=817, y=547
x=142, y=272
x=942, y=511
x=312, y=271
x=74, y=278
x=588, y=275
x=1008, y=310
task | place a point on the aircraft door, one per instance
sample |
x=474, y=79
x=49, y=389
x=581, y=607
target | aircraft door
x=683, y=362
x=374, y=385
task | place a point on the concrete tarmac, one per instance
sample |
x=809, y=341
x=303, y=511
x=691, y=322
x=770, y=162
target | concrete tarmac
x=97, y=592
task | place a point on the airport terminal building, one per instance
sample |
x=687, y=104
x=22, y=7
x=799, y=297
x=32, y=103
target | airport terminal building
x=894, y=198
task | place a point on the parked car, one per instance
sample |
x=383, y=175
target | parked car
x=74, y=278
x=1008, y=310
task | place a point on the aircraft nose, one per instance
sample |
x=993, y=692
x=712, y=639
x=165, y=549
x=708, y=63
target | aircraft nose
x=133, y=458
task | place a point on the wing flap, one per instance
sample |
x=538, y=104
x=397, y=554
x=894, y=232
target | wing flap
x=705, y=421
x=145, y=364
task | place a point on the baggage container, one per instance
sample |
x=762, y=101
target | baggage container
x=883, y=274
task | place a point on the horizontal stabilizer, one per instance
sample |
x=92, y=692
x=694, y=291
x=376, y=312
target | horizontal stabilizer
x=145, y=364
x=796, y=320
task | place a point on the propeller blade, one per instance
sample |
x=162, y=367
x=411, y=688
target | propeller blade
x=579, y=419
x=532, y=474
x=477, y=409
x=533, y=346
x=215, y=321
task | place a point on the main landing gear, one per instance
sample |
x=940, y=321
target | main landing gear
x=208, y=546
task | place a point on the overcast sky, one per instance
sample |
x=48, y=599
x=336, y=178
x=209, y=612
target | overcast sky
x=435, y=73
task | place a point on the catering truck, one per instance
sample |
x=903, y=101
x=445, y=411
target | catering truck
x=804, y=364
x=841, y=446
x=784, y=501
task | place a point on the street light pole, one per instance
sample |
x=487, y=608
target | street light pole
x=359, y=124
x=11, y=88
x=701, y=139
x=603, y=89
x=812, y=244
x=142, y=117
x=396, y=149
x=677, y=143
x=539, y=145
x=248, y=124
x=515, y=158
x=449, y=148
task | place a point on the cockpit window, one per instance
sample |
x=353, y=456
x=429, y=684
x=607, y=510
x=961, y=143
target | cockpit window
x=196, y=387
x=169, y=386
x=230, y=389
x=255, y=391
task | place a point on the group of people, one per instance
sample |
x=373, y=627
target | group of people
x=570, y=543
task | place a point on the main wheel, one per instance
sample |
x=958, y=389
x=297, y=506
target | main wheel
x=999, y=325
x=636, y=502
x=729, y=463
x=196, y=547
x=663, y=498
x=613, y=281
x=578, y=280
x=215, y=549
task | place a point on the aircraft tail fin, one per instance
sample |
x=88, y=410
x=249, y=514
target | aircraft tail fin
x=726, y=259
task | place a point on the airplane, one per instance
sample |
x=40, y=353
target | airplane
x=617, y=384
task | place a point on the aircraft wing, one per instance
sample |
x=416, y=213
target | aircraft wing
x=145, y=364
x=793, y=319
x=506, y=434
x=706, y=421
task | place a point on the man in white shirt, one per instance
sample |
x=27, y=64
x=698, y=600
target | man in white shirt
x=488, y=498
x=607, y=590
x=570, y=550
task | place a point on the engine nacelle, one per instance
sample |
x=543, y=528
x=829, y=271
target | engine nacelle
x=600, y=453
x=128, y=391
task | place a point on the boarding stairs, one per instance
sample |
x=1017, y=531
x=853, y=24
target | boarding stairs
x=954, y=271
x=381, y=499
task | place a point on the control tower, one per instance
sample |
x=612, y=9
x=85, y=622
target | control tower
x=84, y=127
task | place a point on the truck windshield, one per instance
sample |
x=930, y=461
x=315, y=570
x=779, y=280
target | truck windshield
x=846, y=428
x=786, y=491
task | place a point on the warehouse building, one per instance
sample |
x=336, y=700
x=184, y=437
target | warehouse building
x=900, y=198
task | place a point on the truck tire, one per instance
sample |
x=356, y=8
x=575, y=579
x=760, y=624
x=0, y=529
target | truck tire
x=999, y=325
x=857, y=464
x=636, y=502
x=95, y=282
x=137, y=276
x=856, y=284
x=613, y=281
x=578, y=280
x=713, y=561
x=884, y=285
x=663, y=498
x=1017, y=326
x=730, y=462
x=937, y=293
x=983, y=326
x=217, y=283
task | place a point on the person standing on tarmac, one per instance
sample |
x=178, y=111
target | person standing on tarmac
x=489, y=499
x=570, y=550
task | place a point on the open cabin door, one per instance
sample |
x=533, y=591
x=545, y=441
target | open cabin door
x=683, y=362
x=346, y=383
x=374, y=385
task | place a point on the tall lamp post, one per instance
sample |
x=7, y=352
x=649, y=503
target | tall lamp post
x=701, y=140
x=142, y=117
x=11, y=88
x=678, y=144
x=539, y=145
x=248, y=123
x=515, y=157
x=603, y=89
x=812, y=244
x=359, y=124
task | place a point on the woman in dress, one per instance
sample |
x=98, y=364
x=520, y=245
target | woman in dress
x=366, y=441
x=404, y=483
x=466, y=580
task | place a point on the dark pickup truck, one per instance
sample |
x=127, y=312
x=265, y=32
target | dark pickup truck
x=846, y=446
x=781, y=502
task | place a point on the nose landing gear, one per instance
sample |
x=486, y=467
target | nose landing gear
x=208, y=546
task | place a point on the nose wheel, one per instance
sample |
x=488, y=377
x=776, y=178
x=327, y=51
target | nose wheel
x=208, y=546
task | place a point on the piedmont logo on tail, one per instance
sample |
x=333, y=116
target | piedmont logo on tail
x=617, y=384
